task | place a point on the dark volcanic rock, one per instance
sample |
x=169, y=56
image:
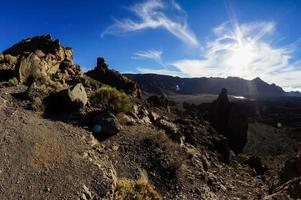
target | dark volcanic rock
x=66, y=100
x=43, y=43
x=230, y=120
x=219, y=113
x=105, y=125
x=237, y=128
x=107, y=76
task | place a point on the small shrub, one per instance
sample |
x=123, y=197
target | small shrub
x=13, y=81
x=112, y=99
x=139, y=189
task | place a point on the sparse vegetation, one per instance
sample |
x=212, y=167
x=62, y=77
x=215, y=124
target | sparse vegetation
x=139, y=189
x=112, y=99
x=13, y=81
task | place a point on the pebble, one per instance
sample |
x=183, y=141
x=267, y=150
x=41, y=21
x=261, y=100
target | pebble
x=47, y=189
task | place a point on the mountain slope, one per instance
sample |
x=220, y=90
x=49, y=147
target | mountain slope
x=155, y=83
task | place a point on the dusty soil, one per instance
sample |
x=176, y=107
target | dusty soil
x=42, y=158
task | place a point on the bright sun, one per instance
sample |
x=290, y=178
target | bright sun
x=241, y=55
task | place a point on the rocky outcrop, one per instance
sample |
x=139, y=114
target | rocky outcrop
x=47, y=68
x=35, y=68
x=219, y=113
x=113, y=78
x=230, y=120
x=41, y=58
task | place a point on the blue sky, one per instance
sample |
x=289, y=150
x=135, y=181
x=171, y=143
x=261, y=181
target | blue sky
x=189, y=38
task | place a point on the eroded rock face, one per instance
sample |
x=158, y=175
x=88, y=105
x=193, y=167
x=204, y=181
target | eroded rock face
x=219, y=112
x=41, y=58
x=230, y=120
x=46, y=68
x=105, y=75
x=33, y=67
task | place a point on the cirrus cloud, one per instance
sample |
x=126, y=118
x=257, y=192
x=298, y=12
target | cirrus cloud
x=149, y=54
x=152, y=14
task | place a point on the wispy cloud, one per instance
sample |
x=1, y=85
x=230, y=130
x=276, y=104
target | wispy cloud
x=152, y=14
x=150, y=54
x=247, y=51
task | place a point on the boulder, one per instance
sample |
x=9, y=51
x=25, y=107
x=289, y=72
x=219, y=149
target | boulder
x=107, y=124
x=66, y=100
x=113, y=78
x=78, y=95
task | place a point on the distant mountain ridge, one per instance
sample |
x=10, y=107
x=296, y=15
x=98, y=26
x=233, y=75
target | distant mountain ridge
x=256, y=88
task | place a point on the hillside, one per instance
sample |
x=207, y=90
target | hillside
x=255, y=88
x=66, y=134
